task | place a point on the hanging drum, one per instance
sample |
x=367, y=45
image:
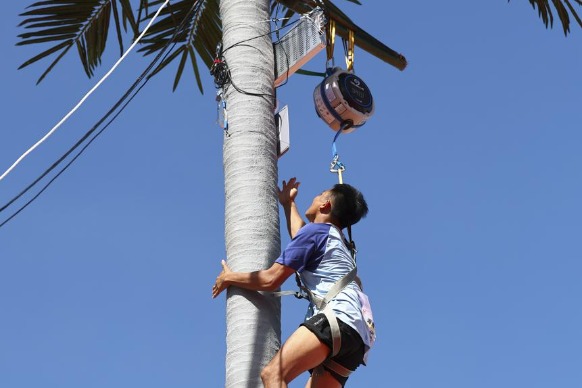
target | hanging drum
x=343, y=99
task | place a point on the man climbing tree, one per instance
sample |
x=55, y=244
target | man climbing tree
x=336, y=335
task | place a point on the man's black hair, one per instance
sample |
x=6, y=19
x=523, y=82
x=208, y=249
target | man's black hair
x=349, y=205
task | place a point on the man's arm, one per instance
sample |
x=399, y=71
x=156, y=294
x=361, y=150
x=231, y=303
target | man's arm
x=294, y=220
x=264, y=280
x=287, y=195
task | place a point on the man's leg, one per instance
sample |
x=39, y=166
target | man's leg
x=301, y=352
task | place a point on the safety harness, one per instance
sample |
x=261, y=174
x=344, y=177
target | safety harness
x=322, y=305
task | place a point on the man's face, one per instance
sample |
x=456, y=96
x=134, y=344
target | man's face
x=318, y=201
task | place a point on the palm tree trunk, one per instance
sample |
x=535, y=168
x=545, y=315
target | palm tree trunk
x=250, y=174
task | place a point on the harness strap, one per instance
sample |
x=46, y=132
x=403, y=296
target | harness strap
x=277, y=294
x=335, y=332
x=337, y=368
x=321, y=304
x=335, y=289
x=338, y=287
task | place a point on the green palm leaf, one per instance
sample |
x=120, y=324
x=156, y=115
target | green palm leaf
x=80, y=23
x=563, y=8
x=84, y=24
x=194, y=26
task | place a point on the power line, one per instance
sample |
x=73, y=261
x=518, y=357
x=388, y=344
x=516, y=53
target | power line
x=145, y=74
x=76, y=107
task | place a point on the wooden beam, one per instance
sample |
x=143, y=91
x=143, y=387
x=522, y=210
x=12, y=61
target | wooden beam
x=343, y=24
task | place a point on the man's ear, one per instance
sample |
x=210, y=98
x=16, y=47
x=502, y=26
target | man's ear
x=326, y=207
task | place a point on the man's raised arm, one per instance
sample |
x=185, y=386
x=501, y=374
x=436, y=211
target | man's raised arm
x=287, y=195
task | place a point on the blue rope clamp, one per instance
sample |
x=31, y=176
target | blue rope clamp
x=336, y=166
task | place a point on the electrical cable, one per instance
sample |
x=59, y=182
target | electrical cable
x=69, y=163
x=119, y=102
x=260, y=36
x=66, y=117
x=171, y=42
x=221, y=72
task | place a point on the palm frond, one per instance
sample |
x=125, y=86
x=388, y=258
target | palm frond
x=196, y=29
x=128, y=17
x=573, y=11
x=563, y=8
x=68, y=23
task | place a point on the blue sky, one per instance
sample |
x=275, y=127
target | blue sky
x=471, y=253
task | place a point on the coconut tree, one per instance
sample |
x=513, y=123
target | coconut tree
x=250, y=179
x=194, y=28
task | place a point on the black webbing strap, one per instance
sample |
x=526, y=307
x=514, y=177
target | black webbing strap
x=352, y=243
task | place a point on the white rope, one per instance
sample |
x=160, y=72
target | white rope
x=86, y=95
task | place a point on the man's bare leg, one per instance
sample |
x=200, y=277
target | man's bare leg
x=301, y=352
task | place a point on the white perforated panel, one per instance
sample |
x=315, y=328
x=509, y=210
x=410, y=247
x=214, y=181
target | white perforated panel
x=299, y=45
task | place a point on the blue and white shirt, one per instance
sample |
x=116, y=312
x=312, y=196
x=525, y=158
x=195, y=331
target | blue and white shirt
x=320, y=255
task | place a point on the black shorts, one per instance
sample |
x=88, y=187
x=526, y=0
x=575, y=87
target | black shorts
x=351, y=354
